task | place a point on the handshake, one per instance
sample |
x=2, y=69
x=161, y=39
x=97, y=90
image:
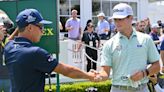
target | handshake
x=96, y=76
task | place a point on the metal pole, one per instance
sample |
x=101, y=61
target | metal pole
x=57, y=75
x=57, y=37
x=49, y=79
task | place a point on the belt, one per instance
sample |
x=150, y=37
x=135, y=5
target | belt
x=74, y=38
x=140, y=87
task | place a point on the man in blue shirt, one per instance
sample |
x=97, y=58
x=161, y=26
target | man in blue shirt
x=102, y=27
x=28, y=64
x=154, y=35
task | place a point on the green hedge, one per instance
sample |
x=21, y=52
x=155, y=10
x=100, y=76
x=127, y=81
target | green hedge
x=81, y=86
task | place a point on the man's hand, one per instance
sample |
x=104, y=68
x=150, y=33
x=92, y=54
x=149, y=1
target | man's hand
x=70, y=28
x=93, y=74
x=97, y=77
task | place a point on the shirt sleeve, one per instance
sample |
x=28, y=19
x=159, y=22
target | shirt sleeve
x=107, y=25
x=44, y=61
x=106, y=55
x=67, y=24
x=152, y=52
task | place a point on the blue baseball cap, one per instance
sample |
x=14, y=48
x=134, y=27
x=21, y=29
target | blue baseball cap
x=30, y=16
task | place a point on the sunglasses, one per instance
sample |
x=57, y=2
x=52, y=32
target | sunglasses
x=40, y=26
x=91, y=26
x=142, y=25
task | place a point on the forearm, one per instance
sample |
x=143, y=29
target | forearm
x=106, y=30
x=72, y=72
x=15, y=33
x=68, y=28
x=157, y=42
x=162, y=56
x=153, y=69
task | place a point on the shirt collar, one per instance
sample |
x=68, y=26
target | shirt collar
x=134, y=34
x=22, y=39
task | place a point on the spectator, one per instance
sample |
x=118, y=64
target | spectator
x=159, y=81
x=148, y=26
x=28, y=64
x=134, y=23
x=128, y=53
x=102, y=26
x=160, y=24
x=111, y=27
x=161, y=38
x=73, y=26
x=154, y=35
x=5, y=24
x=92, y=39
x=141, y=26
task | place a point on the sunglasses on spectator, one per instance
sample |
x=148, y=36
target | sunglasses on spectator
x=91, y=26
x=142, y=25
x=40, y=26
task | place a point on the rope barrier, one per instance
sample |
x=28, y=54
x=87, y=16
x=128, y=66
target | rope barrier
x=85, y=45
x=90, y=57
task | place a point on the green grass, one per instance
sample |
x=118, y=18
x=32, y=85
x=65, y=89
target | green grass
x=81, y=86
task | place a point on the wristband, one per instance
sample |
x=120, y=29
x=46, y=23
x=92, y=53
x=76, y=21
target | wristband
x=147, y=72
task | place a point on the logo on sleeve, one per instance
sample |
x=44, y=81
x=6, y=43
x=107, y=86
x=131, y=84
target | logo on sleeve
x=51, y=58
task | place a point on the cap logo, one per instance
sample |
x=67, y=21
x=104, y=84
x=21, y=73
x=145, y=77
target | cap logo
x=30, y=19
x=51, y=58
x=117, y=10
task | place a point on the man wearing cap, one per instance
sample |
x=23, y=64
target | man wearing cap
x=154, y=35
x=127, y=54
x=28, y=64
x=102, y=26
x=111, y=32
x=73, y=26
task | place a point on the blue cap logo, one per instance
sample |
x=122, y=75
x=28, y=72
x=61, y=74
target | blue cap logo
x=30, y=19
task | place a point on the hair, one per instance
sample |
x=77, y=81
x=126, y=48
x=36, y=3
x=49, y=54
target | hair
x=74, y=11
x=21, y=29
x=88, y=21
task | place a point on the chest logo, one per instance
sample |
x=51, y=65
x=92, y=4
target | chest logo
x=139, y=45
x=119, y=47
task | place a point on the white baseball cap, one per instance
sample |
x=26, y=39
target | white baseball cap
x=101, y=14
x=155, y=25
x=122, y=10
